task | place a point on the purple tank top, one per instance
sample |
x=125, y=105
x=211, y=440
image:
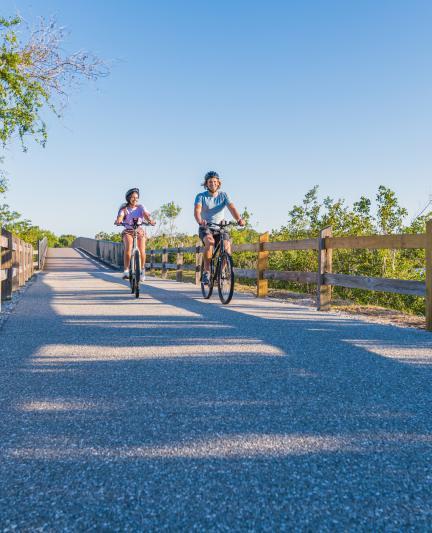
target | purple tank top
x=131, y=213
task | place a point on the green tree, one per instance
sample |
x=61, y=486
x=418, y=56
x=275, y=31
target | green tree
x=65, y=241
x=35, y=74
x=104, y=236
x=166, y=217
x=390, y=214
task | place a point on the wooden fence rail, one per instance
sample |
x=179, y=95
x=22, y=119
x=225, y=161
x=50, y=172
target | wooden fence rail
x=16, y=263
x=42, y=250
x=324, y=278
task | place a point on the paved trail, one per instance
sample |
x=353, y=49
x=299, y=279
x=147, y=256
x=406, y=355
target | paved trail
x=175, y=413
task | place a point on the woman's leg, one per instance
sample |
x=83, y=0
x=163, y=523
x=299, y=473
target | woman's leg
x=142, y=249
x=128, y=242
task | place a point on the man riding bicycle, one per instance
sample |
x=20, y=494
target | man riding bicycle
x=210, y=209
x=127, y=213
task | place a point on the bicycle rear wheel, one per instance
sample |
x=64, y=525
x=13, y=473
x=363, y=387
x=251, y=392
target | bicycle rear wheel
x=207, y=290
x=137, y=272
x=225, y=278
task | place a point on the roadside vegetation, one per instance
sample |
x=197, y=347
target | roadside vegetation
x=381, y=216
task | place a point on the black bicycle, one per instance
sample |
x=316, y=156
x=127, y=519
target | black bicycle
x=221, y=265
x=135, y=260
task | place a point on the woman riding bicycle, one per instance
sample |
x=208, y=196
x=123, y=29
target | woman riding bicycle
x=127, y=212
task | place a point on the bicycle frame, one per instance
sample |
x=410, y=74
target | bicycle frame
x=134, y=242
x=134, y=273
x=219, y=258
x=135, y=238
x=219, y=248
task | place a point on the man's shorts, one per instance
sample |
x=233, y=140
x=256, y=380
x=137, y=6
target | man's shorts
x=204, y=231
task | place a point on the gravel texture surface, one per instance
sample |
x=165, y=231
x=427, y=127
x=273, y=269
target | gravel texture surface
x=174, y=413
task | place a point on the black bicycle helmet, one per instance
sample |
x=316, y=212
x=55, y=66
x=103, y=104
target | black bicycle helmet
x=211, y=174
x=130, y=192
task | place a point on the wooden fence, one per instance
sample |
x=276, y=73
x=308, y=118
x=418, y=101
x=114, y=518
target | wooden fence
x=324, y=277
x=17, y=262
x=42, y=250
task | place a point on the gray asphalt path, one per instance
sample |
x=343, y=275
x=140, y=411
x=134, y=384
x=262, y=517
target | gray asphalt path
x=174, y=413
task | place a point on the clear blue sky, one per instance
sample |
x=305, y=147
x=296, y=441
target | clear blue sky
x=276, y=95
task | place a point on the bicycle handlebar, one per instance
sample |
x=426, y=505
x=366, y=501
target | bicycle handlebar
x=142, y=224
x=221, y=225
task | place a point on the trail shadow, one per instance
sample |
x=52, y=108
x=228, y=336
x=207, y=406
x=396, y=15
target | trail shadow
x=171, y=412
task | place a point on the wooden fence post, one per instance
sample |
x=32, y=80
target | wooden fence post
x=179, y=273
x=197, y=265
x=23, y=262
x=26, y=261
x=429, y=275
x=27, y=264
x=164, y=263
x=152, y=262
x=15, y=263
x=324, y=292
x=262, y=265
x=31, y=261
x=7, y=264
x=20, y=262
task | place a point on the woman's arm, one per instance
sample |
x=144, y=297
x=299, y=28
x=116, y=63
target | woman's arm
x=120, y=216
x=148, y=217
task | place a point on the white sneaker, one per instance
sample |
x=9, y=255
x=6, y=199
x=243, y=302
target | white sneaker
x=126, y=274
x=142, y=276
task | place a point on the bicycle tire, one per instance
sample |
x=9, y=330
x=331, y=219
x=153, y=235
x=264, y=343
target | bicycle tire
x=131, y=275
x=225, y=278
x=207, y=290
x=137, y=272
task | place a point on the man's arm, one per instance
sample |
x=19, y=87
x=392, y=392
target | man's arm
x=236, y=215
x=197, y=215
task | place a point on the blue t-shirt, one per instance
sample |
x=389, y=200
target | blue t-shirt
x=213, y=207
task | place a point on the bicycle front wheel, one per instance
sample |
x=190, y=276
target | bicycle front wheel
x=137, y=261
x=225, y=278
x=132, y=275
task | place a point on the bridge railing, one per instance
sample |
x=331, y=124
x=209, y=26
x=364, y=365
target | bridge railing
x=16, y=263
x=324, y=277
x=42, y=250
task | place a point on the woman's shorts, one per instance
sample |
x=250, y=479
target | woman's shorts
x=140, y=232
